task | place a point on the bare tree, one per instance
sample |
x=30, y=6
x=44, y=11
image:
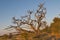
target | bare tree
x=39, y=16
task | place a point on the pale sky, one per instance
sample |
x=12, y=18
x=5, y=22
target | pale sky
x=17, y=8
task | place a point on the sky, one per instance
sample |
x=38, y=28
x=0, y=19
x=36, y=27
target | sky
x=18, y=8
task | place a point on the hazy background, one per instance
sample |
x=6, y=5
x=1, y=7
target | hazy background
x=17, y=8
